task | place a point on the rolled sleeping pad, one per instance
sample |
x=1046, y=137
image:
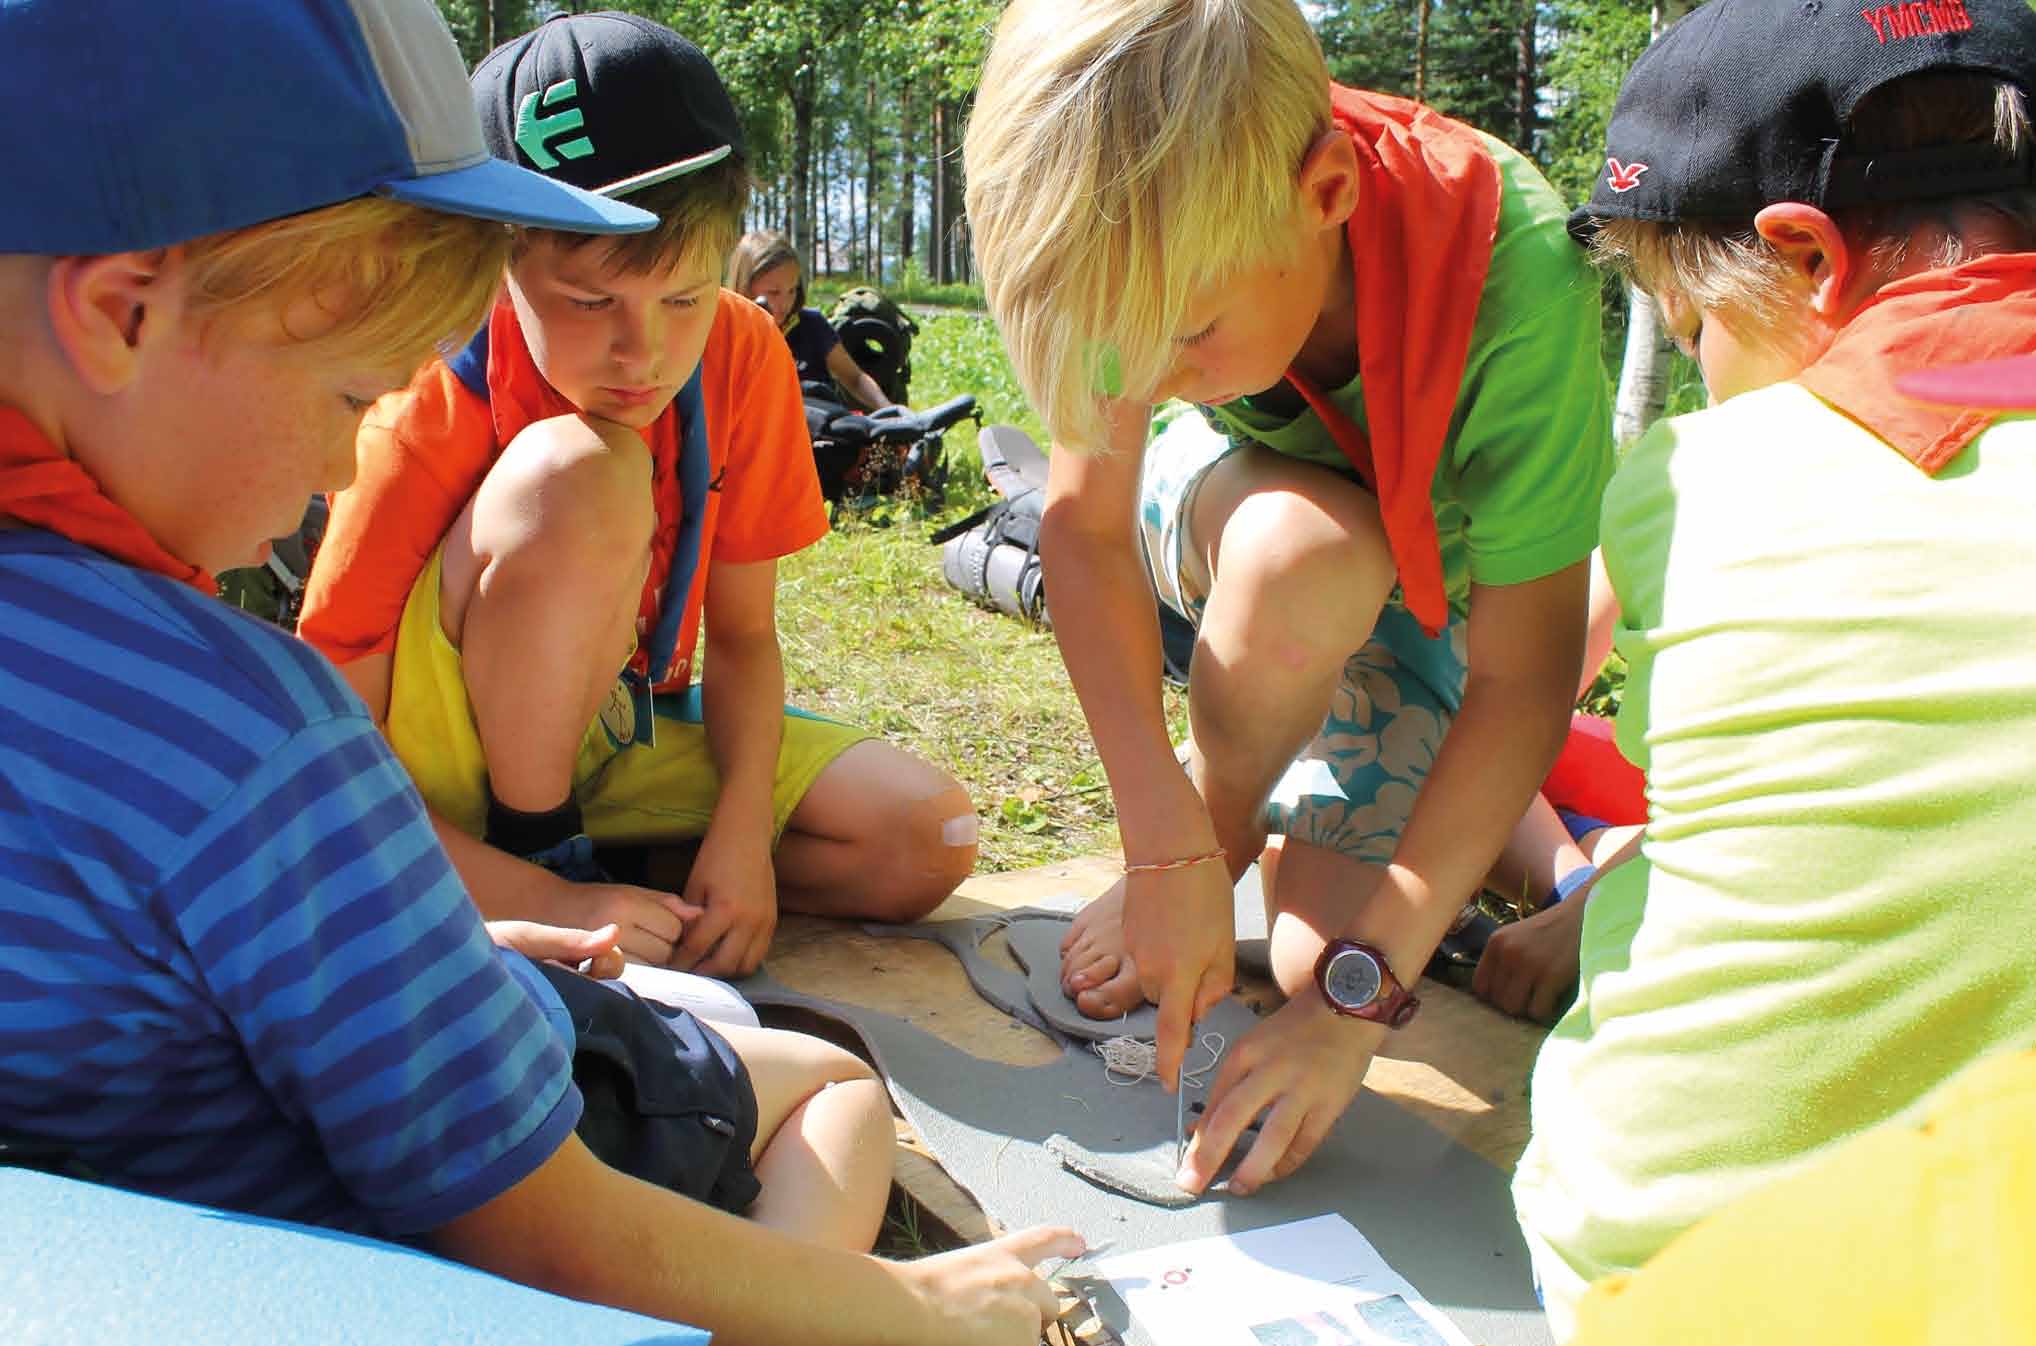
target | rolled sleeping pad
x=999, y=575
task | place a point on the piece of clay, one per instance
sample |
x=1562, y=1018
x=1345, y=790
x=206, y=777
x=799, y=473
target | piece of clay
x=1133, y=1175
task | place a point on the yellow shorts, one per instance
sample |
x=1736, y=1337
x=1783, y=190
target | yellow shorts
x=663, y=791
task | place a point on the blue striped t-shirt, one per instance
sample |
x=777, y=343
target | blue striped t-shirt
x=235, y=965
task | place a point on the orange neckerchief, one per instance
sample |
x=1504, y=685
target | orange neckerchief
x=518, y=396
x=42, y=488
x=1420, y=245
x=1981, y=310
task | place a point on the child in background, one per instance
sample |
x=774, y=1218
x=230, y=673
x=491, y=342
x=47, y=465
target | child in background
x=1380, y=515
x=1826, y=593
x=764, y=268
x=240, y=970
x=544, y=522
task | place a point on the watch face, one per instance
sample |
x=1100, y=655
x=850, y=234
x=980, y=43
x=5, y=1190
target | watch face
x=1352, y=979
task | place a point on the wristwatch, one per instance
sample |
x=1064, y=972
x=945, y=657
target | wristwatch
x=1354, y=979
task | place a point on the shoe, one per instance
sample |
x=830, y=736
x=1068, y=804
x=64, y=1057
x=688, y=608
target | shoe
x=572, y=859
x=1456, y=957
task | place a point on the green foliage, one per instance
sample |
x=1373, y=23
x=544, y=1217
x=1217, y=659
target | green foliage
x=1593, y=43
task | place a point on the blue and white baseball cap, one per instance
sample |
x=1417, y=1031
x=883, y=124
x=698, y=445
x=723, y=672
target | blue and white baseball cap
x=136, y=124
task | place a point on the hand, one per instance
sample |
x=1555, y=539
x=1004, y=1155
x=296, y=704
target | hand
x=1301, y=1068
x=988, y=1295
x=648, y=922
x=1528, y=967
x=591, y=951
x=734, y=884
x=1180, y=933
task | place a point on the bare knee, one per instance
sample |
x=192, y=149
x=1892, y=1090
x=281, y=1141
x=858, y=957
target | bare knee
x=568, y=503
x=1298, y=560
x=931, y=848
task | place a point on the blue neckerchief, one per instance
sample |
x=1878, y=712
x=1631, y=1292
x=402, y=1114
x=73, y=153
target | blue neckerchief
x=690, y=406
x=470, y=366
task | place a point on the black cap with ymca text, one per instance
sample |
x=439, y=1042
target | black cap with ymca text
x=610, y=102
x=1743, y=103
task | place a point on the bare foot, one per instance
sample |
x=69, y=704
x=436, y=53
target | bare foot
x=1094, y=969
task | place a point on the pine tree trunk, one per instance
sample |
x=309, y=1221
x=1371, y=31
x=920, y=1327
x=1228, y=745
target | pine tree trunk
x=1527, y=81
x=873, y=234
x=800, y=204
x=1420, y=51
x=936, y=242
x=908, y=185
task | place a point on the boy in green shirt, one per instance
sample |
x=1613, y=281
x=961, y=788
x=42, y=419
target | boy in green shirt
x=1401, y=441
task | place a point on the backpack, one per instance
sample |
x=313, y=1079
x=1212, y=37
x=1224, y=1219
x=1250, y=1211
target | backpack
x=878, y=335
x=993, y=554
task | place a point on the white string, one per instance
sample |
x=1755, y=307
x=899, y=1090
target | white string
x=1128, y=1060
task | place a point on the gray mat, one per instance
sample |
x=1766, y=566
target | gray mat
x=1439, y=1214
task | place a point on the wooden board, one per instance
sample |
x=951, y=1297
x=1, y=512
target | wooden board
x=1461, y=1066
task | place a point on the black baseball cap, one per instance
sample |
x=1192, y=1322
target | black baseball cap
x=609, y=102
x=1744, y=103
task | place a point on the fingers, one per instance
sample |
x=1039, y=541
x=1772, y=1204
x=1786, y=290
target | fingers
x=1290, y=1135
x=1176, y=1022
x=701, y=937
x=1224, y=1118
x=558, y=943
x=1033, y=1246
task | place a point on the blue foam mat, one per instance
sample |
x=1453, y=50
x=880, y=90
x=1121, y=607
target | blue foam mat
x=85, y=1265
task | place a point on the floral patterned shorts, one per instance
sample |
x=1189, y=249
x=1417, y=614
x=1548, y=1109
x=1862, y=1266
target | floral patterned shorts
x=1352, y=788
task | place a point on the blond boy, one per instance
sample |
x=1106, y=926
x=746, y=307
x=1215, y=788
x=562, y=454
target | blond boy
x=1380, y=515
x=1827, y=591
x=240, y=971
x=546, y=521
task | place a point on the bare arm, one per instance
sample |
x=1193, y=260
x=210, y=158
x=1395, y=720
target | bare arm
x=851, y=376
x=1604, y=615
x=578, y=1228
x=1178, y=926
x=742, y=691
x=507, y=888
x=1302, y=1066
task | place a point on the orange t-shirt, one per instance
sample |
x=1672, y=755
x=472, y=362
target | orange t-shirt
x=425, y=451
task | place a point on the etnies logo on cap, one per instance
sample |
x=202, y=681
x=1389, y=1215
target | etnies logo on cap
x=1623, y=177
x=1917, y=18
x=534, y=133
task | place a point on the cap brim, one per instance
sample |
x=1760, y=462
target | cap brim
x=496, y=189
x=675, y=169
x=2009, y=383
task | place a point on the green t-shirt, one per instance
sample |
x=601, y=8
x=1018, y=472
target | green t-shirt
x=1530, y=447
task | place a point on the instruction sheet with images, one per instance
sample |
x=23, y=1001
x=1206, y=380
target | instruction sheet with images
x=1315, y=1282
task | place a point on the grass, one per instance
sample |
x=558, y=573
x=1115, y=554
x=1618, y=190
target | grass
x=874, y=635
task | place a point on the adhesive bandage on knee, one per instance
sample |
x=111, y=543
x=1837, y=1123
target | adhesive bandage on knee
x=963, y=830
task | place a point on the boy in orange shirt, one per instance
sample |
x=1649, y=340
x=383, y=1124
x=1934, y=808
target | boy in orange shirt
x=620, y=454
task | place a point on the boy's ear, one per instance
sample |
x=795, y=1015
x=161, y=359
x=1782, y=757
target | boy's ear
x=1814, y=247
x=1329, y=180
x=103, y=308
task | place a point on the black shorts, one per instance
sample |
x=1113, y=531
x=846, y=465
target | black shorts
x=667, y=1099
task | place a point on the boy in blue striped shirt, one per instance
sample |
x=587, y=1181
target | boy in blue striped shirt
x=235, y=966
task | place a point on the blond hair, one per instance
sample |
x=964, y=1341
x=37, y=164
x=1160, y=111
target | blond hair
x=1729, y=268
x=396, y=280
x=757, y=253
x=1122, y=155
x=698, y=216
